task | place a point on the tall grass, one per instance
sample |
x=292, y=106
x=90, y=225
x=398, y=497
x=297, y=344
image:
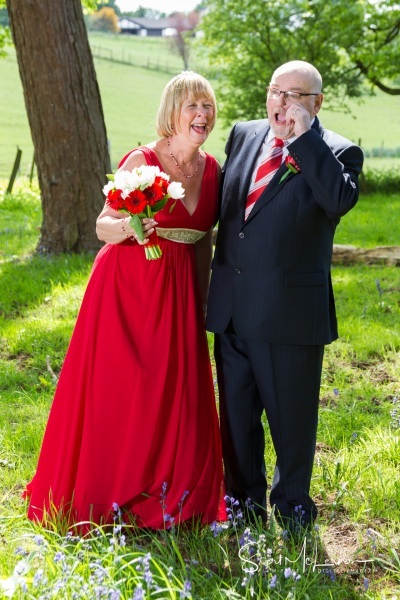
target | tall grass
x=354, y=552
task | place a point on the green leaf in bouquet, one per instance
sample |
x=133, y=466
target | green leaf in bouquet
x=110, y=176
x=136, y=224
x=171, y=208
x=160, y=204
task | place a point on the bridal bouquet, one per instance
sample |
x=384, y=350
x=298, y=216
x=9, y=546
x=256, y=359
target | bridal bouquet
x=142, y=193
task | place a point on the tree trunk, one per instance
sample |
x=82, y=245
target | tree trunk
x=65, y=114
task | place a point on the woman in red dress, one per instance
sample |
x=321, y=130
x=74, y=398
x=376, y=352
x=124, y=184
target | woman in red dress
x=133, y=422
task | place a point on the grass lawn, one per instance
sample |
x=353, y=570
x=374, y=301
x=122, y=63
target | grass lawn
x=354, y=553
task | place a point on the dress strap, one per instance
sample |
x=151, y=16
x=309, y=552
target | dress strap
x=149, y=154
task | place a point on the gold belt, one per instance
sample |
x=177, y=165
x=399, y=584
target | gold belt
x=181, y=235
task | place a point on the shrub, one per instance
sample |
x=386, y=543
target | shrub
x=384, y=181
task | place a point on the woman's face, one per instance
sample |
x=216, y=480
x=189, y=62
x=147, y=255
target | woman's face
x=195, y=119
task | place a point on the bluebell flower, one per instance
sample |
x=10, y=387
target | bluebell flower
x=331, y=574
x=288, y=572
x=246, y=538
x=58, y=557
x=215, y=528
x=249, y=504
x=182, y=500
x=138, y=593
x=39, y=540
x=274, y=581
x=39, y=578
x=186, y=592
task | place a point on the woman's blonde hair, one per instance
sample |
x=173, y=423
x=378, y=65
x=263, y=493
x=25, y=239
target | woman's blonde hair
x=175, y=93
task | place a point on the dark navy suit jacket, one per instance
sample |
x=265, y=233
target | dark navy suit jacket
x=271, y=274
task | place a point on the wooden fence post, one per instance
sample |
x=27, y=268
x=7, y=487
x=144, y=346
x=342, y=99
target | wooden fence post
x=32, y=170
x=14, y=171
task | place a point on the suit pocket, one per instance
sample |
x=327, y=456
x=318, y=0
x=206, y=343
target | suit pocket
x=305, y=278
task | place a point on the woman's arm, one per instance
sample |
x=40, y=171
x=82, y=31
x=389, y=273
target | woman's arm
x=112, y=226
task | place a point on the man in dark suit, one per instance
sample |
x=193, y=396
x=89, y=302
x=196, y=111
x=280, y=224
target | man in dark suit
x=271, y=302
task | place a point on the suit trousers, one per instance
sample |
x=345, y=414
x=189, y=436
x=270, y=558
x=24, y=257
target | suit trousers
x=284, y=381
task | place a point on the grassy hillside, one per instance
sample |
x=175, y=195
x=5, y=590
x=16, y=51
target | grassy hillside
x=130, y=95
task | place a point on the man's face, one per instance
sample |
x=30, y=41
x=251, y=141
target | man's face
x=291, y=81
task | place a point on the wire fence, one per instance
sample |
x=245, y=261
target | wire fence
x=127, y=58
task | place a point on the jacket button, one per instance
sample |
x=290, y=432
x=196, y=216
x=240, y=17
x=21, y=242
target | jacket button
x=241, y=235
x=238, y=271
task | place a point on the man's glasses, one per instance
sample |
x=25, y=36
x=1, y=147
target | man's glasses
x=289, y=96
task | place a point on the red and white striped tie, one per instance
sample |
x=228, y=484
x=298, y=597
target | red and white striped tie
x=265, y=172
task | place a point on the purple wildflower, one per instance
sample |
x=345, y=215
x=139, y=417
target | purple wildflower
x=288, y=572
x=59, y=557
x=39, y=540
x=216, y=528
x=182, y=500
x=274, y=581
x=186, y=592
x=138, y=593
x=163, y=495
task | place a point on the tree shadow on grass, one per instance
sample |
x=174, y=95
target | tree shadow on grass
x=24, y=284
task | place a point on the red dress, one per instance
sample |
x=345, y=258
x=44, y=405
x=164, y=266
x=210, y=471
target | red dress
x=133, y=421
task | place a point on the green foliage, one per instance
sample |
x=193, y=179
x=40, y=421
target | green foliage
x=248, y=39
x=5, y=35
x=384, y=181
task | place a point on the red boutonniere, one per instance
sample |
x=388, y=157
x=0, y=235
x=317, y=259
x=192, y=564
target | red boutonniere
x=292, y=167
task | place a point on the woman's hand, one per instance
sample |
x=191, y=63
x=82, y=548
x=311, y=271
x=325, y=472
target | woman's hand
x=148, y=226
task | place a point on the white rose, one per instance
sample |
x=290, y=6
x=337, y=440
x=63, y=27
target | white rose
x=109, y=186
x=123, y=181
x=146, y=175
x=175, y=190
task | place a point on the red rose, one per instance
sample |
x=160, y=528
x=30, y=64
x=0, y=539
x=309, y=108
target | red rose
x=292, y=167
x=290, y=162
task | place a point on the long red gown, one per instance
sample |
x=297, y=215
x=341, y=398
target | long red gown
x=133, y=421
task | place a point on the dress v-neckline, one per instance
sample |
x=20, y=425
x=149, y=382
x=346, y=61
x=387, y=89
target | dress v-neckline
x=191, y=215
